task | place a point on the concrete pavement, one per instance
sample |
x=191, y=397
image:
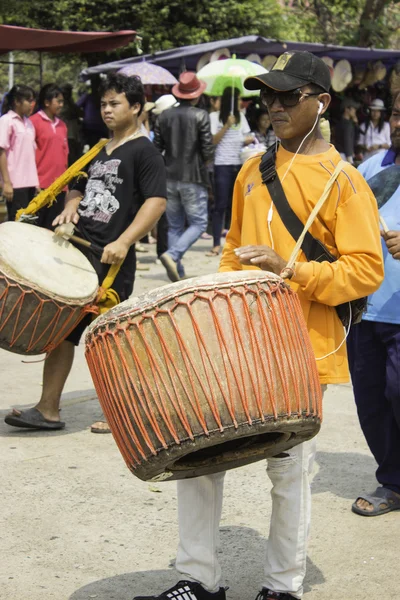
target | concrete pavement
x=75, y=524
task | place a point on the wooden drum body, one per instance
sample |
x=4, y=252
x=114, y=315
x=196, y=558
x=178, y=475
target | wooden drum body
x=206, y=375
x=46, y=288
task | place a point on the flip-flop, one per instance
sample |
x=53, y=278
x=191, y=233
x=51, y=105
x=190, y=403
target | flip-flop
x=95, y=429
x=380, y=496
x=32, y=418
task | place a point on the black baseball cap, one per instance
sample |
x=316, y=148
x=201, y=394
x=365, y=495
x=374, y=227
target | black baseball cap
x=291, y=71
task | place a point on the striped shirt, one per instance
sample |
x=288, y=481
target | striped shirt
x=229, y=148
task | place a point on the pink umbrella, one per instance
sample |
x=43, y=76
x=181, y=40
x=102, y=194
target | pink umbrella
x=149, y=73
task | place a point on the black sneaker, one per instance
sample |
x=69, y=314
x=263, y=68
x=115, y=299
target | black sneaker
x=187, y=590
x=267, y=594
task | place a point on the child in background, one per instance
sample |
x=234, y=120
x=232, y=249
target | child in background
x=17, y=149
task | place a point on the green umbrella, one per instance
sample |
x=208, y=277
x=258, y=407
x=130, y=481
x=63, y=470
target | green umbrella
x=230, y=72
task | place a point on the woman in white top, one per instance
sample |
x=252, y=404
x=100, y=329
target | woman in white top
x=230, y=133
x=375, y=132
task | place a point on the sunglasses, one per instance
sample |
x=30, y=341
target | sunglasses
x=286, y=99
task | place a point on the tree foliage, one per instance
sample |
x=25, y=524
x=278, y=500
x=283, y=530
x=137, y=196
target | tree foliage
x=363, y=23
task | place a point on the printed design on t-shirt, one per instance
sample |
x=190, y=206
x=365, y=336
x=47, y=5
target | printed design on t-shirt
x=99, y=202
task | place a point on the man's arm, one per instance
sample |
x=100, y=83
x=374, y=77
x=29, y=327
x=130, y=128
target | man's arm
x=70, y=212
x=359, y=270
x=147, y=216
x=153, y=187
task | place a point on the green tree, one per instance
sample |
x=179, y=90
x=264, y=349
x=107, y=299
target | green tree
x=349, y=22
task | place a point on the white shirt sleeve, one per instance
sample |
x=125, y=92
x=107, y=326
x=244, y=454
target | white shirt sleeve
x=214, y=121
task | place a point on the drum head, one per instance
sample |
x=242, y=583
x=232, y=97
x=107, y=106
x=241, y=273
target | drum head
x=36, y=257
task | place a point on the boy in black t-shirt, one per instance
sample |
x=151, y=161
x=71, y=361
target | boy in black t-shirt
x=120, y=202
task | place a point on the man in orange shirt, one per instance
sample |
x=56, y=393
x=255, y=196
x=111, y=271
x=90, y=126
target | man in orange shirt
x=295, y=92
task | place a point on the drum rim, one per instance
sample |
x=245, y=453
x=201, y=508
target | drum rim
x=120, y=311
x=13, y=279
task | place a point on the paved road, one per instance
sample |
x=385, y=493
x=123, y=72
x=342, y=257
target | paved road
x=75, y=524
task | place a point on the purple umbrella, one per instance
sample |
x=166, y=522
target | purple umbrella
x=149, y=74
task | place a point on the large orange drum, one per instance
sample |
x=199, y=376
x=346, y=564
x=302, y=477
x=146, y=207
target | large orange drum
x=46, y=287
x=206, y=375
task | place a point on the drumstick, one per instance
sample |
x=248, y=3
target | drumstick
x=383, y=223
x=66, y=232
x=93, y=247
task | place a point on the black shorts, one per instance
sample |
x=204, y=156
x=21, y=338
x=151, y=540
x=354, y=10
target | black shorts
x=21, y=199
x=123, y=285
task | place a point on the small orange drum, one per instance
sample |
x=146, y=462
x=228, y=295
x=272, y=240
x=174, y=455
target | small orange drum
x=206, y=375
x=46, y=287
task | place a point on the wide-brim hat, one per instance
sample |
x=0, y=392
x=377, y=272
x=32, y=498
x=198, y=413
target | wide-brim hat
x=163, y=103
x=203, y=61
x=376, y=72
x=220, y=54
x=377, y=104
x=189, y=86
x=269, y=61
x=342, y=75
x=255, y=58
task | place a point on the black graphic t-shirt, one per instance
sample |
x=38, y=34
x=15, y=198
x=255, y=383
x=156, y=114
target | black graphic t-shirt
x=117, y=186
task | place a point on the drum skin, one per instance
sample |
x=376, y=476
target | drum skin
x=33, y=319
x=206, y=375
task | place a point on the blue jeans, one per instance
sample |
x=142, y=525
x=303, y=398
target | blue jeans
x=224, y=181
x=186, y=203
x=374, y=360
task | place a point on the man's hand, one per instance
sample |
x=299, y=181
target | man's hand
x=68, y=215
x=392, y=240
x=115, y=252
x=261, y=256
x=8, y=191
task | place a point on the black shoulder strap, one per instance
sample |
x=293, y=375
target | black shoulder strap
x=312, y=248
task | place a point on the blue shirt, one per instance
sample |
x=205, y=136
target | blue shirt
x=384, y=305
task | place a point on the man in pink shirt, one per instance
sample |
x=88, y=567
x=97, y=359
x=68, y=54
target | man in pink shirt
x=51, y=147
x=19, y=178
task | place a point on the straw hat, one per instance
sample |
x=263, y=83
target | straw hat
x=269, y=61
x=220, y=54
x=163, y=103
x=189, y=87
x=329, y=62
x=376, y=72
x=255, y=58
x=203, y=61
x=342, y=76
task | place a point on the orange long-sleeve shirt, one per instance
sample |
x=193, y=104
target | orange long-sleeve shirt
x=348, y=225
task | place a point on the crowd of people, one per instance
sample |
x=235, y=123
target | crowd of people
x=195, y=144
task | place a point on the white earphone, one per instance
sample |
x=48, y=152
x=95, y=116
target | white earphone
x=320, y=107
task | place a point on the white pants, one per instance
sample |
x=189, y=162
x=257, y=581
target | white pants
x=199, y=513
